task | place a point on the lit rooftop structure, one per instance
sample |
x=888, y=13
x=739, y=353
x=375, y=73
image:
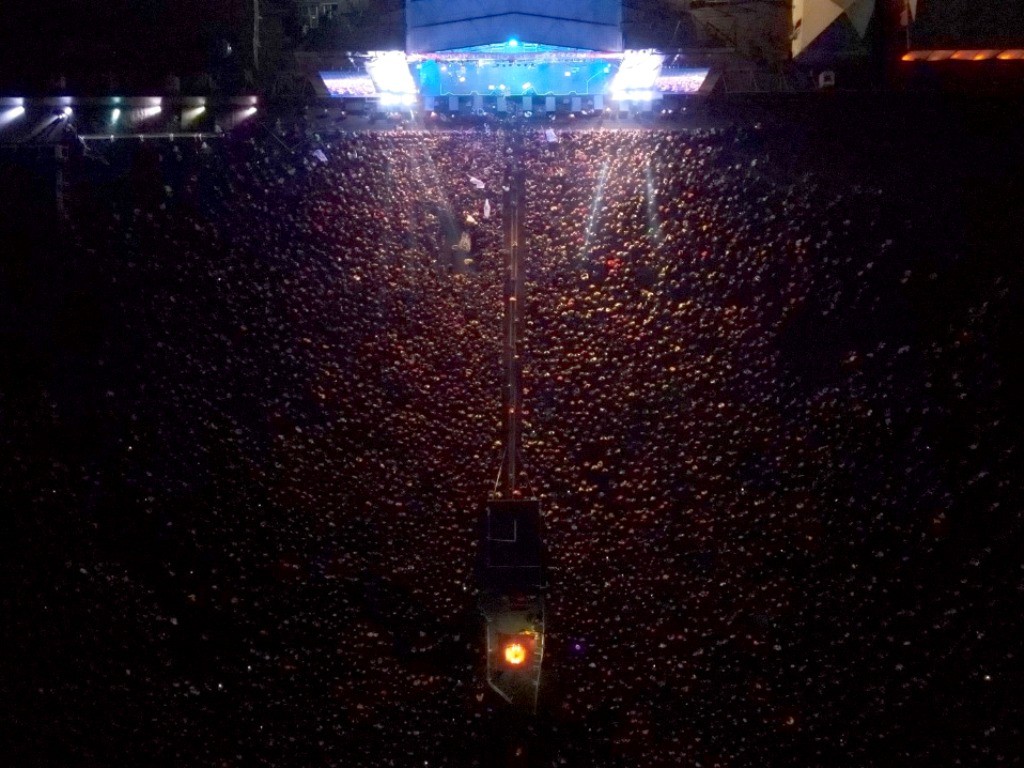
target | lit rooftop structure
x=442, y=25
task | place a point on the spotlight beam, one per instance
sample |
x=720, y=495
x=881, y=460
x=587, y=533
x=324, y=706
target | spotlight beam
x=594, y=208
x=10, y=115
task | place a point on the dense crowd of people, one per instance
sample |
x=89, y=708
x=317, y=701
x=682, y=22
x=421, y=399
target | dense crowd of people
x=769, y=418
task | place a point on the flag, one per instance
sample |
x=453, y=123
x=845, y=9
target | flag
x=476, y=182
x=487, y=209
x=319, y=155
x=552, y=139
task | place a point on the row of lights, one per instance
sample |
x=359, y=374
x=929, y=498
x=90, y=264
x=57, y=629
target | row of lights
x=155, y=108
x=987, y=54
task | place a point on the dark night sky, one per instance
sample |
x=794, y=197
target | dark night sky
x=969, y=22
x=178, y=35
x=156, y=36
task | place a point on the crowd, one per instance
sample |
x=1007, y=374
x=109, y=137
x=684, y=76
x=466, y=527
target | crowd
x=769, y=418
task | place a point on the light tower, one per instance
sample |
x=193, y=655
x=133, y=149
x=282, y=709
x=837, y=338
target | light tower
x=511, y=573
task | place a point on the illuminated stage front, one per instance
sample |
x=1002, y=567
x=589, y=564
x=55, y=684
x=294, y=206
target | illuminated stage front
x=513, y=70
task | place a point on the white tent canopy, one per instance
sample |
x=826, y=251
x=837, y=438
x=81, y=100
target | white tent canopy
x=812, y=17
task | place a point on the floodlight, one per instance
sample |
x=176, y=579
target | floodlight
x=12, y=114
x=188, y=115
x=637, y=73
x=390, y=73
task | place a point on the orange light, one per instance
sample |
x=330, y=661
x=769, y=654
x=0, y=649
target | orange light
x=515, y=654
x=986, y=54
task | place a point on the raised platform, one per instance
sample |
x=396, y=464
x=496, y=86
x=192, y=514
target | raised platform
x=525, y=71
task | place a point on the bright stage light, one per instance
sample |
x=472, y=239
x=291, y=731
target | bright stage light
x=515, y=654
x=68, y=111
x=188, y=115
x=513, y=43
x=390, y=73
x=397, y=99
x=637, y=74
x=12, y=114
x=115, y=115
x=634, y=95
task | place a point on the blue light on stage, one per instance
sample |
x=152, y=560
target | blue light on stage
x=540, y=77
x=516, y=46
